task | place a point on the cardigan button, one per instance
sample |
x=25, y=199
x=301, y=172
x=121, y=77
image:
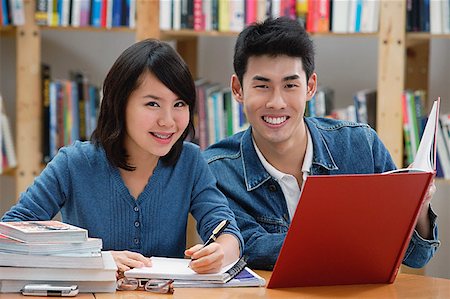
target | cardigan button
x=136, y=224
x=136, y=209
x=272, y=188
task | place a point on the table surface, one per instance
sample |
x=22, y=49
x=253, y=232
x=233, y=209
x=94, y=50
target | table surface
x=405, y=286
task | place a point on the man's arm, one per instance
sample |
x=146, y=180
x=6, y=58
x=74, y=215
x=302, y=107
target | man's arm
x=261, y=247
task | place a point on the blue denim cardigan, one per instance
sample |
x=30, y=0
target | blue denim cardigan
x=259, y=204
x=90, y=193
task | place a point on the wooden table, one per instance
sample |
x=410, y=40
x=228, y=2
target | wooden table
x=405, y=286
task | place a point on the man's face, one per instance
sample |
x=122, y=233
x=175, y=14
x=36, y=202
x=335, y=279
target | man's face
x=274, y=94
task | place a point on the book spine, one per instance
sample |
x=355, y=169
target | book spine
x=45, y=87
x=8, y=145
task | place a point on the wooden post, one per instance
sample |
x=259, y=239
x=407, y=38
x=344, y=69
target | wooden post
x=147, y=19
x=187, y=48
x=28, y=100
x=391, y=76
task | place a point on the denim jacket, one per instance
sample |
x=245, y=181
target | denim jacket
x=258, y=201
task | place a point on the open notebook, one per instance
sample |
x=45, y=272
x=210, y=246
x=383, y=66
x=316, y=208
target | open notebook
x=354, y=229
x=233, y=275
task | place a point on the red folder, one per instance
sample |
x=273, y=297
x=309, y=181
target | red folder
x=350, y=229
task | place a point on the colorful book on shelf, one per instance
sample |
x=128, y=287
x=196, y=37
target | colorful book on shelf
x=178, y=270
x=43, y=231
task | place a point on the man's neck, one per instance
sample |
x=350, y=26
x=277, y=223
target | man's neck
x=287, y=156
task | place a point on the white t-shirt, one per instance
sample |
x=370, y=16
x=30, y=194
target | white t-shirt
x=288, y=183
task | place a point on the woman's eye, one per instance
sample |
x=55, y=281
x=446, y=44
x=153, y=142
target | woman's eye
x=152, y=104
x=180, y=104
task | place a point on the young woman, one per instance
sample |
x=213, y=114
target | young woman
x=134, y=184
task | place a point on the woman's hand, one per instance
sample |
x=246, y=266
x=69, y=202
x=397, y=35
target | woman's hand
x=211, y=259
x=207, y=259
x=126, y=260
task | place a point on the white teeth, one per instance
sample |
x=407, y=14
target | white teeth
x=275, y=120
x=162, y=136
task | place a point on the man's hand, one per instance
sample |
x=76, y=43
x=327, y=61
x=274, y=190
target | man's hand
x=423, y=225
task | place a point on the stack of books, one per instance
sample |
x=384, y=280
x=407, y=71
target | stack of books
x=53, y=252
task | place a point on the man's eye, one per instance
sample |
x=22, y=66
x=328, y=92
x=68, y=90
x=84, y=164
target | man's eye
x=261, y=86
x=291, y=85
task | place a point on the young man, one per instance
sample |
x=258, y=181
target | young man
x=262, y=169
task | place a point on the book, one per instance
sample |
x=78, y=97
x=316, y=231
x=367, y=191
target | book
x=246, y=278
x=426, y=153
x=79, y=261
x=8, y=245
x=43, y=231
x=107, y=273
x=383, y=206
x=178, y=269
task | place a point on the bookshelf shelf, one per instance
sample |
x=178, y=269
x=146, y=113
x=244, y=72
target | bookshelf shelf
x=88, y=29
x=426, y=35
x=191, y=33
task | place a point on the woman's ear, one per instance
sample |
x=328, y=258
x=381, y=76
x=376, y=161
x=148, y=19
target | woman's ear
x=236, y=88
x=312, y=86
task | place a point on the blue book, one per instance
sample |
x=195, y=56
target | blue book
x=96, y=9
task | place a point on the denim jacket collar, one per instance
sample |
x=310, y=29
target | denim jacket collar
x=254, y=172
x=322, y=159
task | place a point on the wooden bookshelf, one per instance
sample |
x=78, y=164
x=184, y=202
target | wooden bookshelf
x=393, y=46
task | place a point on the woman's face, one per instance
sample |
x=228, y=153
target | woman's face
x=155, y=119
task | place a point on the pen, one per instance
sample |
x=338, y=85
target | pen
x=216, y=232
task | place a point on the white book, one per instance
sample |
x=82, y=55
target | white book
x=207, y=12
x=425, y=157
x=275, y=8
x=176, y=15
x=445, y=17
x=43, y=231
x=237, y=15
x=92, y=245
x=17, y=12
x=53, y=261
x=369, y=16
x=108, y=273
x=7, y=140
x=76, y=13
x=165, y=13
x=109, y=12
x=340, y=16
x=352, y=10
x=65, y=13
x=178, y=269
x=436, y=16
x=14, y=286
x=132, y=14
